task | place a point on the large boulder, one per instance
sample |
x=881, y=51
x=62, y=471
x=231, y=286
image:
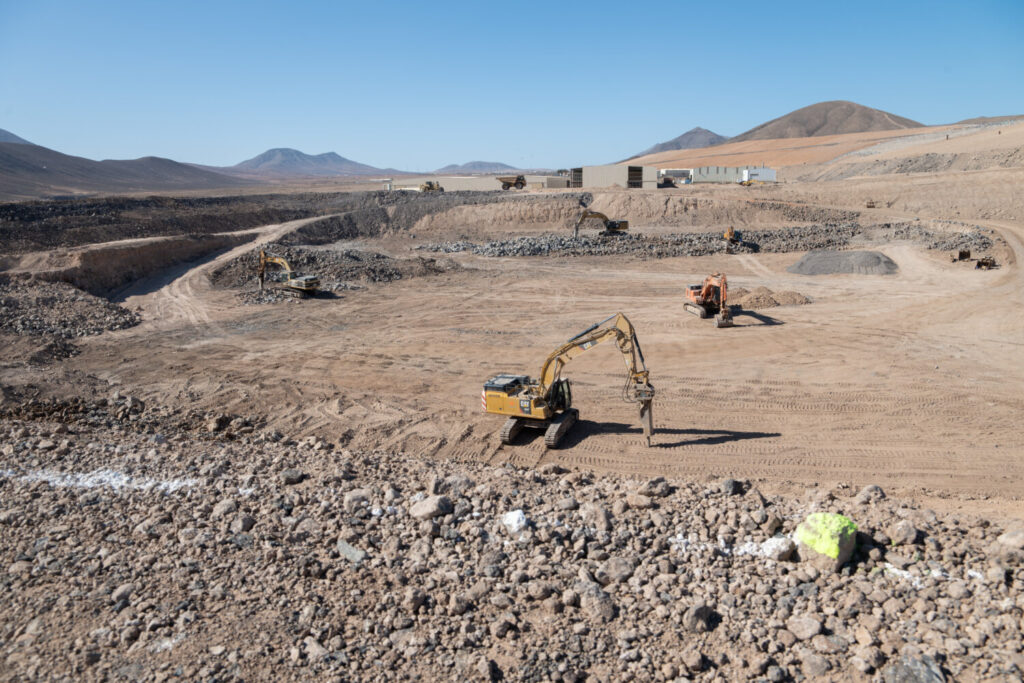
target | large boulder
x=826, y=540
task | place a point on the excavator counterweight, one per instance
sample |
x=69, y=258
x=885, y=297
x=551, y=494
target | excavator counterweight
x=546, y=402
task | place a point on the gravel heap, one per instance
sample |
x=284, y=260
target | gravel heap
x=141, y=550
x=678, y=244
x=338, y=270
x=783, y=240
x=826, y=262
x=57, y=309
x=963, y=236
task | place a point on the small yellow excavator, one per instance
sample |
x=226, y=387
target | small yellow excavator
x=611, y=228
x=546, y=403
x=733, y=239
x=710, y=298
x=298, y=285
x=431, y=186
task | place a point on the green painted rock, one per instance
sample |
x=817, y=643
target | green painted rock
x=826, y=540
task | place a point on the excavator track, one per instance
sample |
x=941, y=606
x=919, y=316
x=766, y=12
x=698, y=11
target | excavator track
x=511, y=430
x=559, y=427
x=696, y=309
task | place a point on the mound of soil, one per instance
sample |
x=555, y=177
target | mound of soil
x=827, y=262
x=34, y=307
x=762, y=297
x=337, y=269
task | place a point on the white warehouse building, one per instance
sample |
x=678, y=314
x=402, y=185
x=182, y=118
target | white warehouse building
x=733, y=174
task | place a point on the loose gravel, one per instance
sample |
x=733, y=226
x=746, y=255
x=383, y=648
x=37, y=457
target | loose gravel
x=825, y=262
x=338, y=270
x=784, y=240
x=57, y=309
x=141, y=543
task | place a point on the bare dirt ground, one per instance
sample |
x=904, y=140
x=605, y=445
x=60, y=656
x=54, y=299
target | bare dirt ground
x=911, y=380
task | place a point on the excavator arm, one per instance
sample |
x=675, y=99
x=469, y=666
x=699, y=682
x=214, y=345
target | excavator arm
x=587, y=214
x=275, y=260
x=638, y=388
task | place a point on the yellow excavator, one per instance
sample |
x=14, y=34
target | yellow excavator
x=299, y=285
x=546, y=403
x=733, y=239
x=611, y=228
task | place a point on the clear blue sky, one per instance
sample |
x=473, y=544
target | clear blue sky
x=417, y=85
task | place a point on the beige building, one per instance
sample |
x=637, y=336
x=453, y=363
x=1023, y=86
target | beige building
x=614, y=175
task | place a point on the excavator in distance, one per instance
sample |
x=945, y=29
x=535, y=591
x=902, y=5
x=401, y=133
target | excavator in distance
x=733, y=239
x=710, y=298
x=611, y=228
x=298, y=285
x=546, y=402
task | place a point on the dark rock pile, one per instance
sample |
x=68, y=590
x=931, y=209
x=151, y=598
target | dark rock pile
x=783, y=240
x=338, y=270
x=678, y=244
x=57, y=309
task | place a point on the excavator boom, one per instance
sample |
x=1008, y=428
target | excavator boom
x=610, y=227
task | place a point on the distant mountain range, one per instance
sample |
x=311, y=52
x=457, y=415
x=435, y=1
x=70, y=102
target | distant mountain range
x=285, y=162
x=29, y=171
x=477, y=167
x=824, y=118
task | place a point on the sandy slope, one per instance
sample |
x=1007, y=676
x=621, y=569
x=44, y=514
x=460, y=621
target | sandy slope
x=776, y=153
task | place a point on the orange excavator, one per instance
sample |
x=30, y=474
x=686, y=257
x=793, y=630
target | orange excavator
x=710, y=298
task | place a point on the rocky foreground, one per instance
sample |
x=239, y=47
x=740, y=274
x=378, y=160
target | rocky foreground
x=144, y=544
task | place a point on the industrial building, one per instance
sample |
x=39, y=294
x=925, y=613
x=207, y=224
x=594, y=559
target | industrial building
x=614, y=175
x=732, y=174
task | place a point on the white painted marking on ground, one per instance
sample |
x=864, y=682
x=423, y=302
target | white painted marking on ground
x=101, y=478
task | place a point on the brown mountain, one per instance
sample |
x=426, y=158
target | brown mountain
x=692, y=139
x=827, y=118
x=30, y=172
x=284, y=162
